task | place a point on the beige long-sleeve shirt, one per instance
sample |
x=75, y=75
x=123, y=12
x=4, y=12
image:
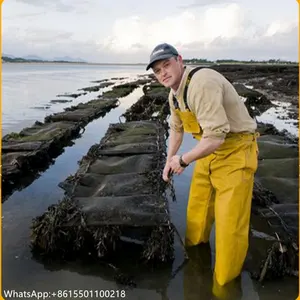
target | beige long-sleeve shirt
x=215, y=103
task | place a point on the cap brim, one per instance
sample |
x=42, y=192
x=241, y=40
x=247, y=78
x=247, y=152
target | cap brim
x=165, y=56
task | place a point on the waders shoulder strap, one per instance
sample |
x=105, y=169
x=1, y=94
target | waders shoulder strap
x=189, y=77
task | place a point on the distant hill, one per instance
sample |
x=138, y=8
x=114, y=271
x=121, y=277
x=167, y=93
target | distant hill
x=68, y=58
x=35, y=58
x=8, y=55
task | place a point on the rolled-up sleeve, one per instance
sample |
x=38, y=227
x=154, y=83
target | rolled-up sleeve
x=206, y=100
x=175, y=121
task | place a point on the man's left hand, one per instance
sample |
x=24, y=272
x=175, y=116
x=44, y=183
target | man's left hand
x=175, y=165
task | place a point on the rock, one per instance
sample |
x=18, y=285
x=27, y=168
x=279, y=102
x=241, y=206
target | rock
x=283, y=167
x=153, y=105
x=72, y=95
x=277, y=214
x=27, y=152
x=99, y=81
x=84, y=112
x=273, y=149
x=41, y=107
x=284, y=189
x=118, y=78
x=120, y=90
x=275, y=208
x=96, y=88
x=60, y=101
x=253, y=99
x=262, y=197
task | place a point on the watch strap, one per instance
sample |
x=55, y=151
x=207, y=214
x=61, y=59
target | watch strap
x=182, y=163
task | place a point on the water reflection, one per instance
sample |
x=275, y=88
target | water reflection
x=198, y=277
x=124, y=271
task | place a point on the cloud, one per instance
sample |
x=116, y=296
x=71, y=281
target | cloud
x=282, y=45
x=202, y=3
x=35, y=35
x=197, y=32
x=280, y=27
x=33, y=40
x=58, y=5
x=24, y=15
x=184, y=28
x=47, y=43
x=222, y=31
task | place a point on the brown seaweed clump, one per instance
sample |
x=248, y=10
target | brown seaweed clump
x=62, y=232
x=282, y=256
x=49, y=234
x=159, y=246
x=281, y=260
x=262, y=197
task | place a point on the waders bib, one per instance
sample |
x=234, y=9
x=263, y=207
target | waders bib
x=221, y=191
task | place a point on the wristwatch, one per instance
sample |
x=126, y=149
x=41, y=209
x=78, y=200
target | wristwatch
x=182, y=163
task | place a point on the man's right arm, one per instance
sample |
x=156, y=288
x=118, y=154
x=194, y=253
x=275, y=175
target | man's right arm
x=175, y=137
x=175, y=140
x=176, y=131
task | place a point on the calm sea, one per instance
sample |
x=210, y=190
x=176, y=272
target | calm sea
x=27, y=89
x=27, y=92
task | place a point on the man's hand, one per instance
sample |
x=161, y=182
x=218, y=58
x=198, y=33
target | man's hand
x=166, y=171
x=175, y=165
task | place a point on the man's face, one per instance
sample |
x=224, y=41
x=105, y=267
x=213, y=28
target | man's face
x=168, y=72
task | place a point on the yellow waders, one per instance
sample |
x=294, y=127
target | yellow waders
x=221, y=191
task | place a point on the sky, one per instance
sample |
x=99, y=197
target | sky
x=127, y=31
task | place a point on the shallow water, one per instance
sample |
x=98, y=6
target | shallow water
x=278, y=116
x=22, y=272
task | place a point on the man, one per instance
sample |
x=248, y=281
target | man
x=208, y=107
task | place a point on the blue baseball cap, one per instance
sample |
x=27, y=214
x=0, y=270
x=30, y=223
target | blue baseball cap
x=161, y=51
